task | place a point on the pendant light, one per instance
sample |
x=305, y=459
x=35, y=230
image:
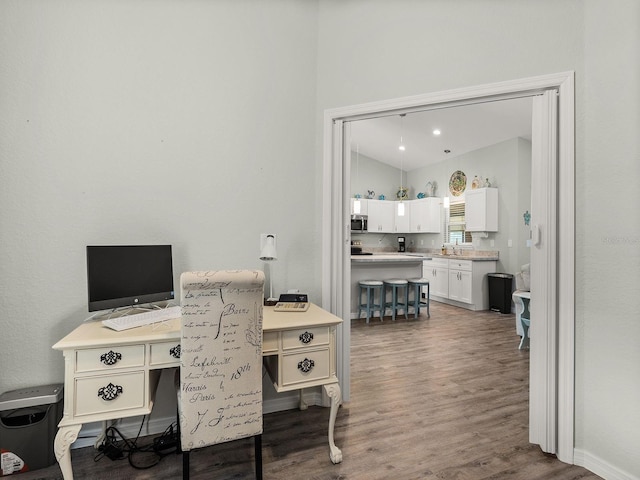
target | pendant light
x=401, y=147
x=356, y=202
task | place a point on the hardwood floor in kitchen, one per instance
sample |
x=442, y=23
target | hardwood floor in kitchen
x=441, y=398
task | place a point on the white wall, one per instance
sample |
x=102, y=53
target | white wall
x=608, y=238
x=502, y=164
x=376, y=50
x=106, y=107
x=148, y=122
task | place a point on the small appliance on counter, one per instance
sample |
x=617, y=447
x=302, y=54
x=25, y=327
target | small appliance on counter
x=401, y=247
x=356, y=248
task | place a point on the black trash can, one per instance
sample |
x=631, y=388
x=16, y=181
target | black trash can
x=28, y=425
x=500, y=285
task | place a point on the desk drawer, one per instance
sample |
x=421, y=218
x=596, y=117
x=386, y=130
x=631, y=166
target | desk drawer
x=307, y=337
x=164, y=353
x=109, y=393
x=305, y=366
x=118, y=356
x=461, y=265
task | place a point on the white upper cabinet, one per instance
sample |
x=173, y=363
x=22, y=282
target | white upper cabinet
x=381, y=216
x=420, y=216
x=481, y=210
x=402, y=223
x=363, y=206
x=425, y=215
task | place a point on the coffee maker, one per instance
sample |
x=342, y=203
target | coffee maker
x=401, y=247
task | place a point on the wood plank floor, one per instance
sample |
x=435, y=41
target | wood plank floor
x=443, y=398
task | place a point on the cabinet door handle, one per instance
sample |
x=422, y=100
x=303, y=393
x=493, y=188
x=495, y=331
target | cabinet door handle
x=306, y=337
x=110, y=392
x=306, y=365
x=175, y=351
x=110, y=358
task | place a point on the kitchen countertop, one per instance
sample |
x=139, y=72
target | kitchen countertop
x=391, y=257
x=475, y=258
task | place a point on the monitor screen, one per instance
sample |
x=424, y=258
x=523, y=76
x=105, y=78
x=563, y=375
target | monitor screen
x=128, y=275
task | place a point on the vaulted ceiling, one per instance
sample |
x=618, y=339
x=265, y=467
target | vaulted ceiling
x=462, y=129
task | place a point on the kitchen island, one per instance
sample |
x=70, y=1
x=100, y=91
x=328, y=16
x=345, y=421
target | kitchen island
x=382, y=266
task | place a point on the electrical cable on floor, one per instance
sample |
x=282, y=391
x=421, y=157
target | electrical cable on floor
x=116, y=446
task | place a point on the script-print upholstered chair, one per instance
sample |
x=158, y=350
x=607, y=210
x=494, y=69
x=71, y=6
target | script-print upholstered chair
x=220, y=381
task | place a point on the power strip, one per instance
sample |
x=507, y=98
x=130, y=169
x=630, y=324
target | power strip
x=111, y=451
x=165, y=442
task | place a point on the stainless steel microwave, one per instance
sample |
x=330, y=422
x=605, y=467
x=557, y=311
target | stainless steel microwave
x=358, y=223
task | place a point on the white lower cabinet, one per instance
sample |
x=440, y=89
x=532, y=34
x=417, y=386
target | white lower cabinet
x=463, y=283
x=437, y=271
x=460, y=281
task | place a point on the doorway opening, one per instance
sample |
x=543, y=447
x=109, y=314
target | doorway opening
x=552, y=388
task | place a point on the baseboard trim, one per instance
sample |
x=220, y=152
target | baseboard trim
x=129, y=427
x=600, y=467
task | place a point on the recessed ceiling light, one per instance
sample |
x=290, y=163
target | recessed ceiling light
x=436, y=131
x=401, y=148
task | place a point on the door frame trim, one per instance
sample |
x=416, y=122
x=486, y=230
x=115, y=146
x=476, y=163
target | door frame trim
x=335, y=227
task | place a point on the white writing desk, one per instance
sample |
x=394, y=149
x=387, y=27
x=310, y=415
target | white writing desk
x=110, y=374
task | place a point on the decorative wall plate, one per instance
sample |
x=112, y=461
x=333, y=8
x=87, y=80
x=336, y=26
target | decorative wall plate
x=457, y=183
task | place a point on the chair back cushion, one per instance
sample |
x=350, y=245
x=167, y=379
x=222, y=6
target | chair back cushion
x=221, y=356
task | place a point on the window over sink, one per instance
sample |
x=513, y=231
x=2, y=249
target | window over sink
x=455, y=225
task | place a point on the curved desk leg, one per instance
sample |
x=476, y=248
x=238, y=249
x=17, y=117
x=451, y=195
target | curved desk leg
x=65, y=437
x=333, y=392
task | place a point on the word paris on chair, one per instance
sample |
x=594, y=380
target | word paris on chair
x=298, y=350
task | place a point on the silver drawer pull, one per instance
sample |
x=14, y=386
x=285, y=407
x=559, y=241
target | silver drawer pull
x=175, y=351
x=110, y=392
x=306, y=337
x=110, y=358
x=306, y=365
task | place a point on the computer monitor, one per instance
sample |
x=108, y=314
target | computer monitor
x=128, y=275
